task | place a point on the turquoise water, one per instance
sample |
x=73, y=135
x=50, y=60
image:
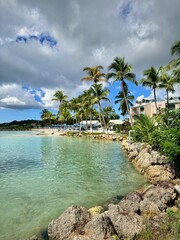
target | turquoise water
x=40, y=176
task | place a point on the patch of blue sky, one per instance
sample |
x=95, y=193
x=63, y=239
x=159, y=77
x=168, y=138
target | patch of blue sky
x=36, y=93
x=44, y=39
x=125, y=9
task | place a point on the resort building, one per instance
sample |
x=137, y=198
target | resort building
x=147, y=106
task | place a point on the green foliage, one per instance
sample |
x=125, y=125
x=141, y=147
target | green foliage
x=162, y=132
x=166, y=231
x=144, y=126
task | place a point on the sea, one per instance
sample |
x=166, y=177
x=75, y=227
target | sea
x=41, y=176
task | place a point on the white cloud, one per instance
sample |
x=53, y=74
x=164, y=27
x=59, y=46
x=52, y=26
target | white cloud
x=87, y=33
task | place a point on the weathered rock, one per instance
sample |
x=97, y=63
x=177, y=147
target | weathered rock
x=100, y=227
x=160, y=196
x=144, y=161
x=148, y=208
x=127, y=206
x=132, y=155
x=126, y=225
x=95, y=210
x=73, y=219
x=133, y=196
x=159, y=173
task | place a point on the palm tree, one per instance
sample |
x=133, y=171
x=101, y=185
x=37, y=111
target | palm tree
x=60, y=97
x=100, y=94
x=121, y=71
x=122, y=104
x=94, y=74
x=151, y=80
x=47, y=116
x=143, y=128
x=109, y=113
x=167, y=82
x=175, y=50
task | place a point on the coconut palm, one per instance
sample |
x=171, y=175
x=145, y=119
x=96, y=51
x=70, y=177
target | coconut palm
x=47, y=116
x=167, y=82
x=122, y=104
x=94, y=74
x=100, y=94
x=109, y=113
x=60, y=97
x=121, y=71
x=152, y=81
x=175, y=50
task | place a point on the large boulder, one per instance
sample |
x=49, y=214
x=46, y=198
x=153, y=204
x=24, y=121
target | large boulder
x=160, y=196
x=157, y=173
x=148, y=208
x=126, y=225
x=73, y=219
x=100, y=227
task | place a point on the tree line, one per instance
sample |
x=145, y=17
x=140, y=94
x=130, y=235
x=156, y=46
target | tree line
x=87, y=106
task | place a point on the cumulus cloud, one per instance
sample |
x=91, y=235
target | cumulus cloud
x=44, y=45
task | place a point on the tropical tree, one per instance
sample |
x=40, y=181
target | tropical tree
x=121, y=71
x=175, y=50
x=47, y=116
x=151, y=80
x=100, y=94
x=143, y=128
x=121, y=101
x=166, y=82
x=109, y=114
x=94, y=74
x=60, y=97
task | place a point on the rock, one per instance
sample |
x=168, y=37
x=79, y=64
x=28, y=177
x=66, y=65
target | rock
x=73, y=219
x=133, y=196
x=160, y=196
x=127, y=206
x=126, y=225
x=132, y=155
x=95, y=210
x=159, y=173
x=177, y=188
x=156, y=221
x=143, y=161
x=148, y=208
x=100, y=227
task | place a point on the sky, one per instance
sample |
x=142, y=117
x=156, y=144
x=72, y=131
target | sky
x=44, y=46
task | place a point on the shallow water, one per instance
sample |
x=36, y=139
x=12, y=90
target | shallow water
x=40, y=176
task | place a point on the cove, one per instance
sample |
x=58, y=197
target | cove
x=40, y=176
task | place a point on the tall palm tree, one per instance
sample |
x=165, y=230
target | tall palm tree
x=94, y=74
x=122, y=104
x=152, y=81
x=100, y=94
x=167, y=82
x=175, y=50
x=60, y=97
x=121, y=71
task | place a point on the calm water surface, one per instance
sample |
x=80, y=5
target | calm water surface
x=40, y=176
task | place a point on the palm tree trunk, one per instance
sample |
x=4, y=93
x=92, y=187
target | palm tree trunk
x=167, y=107
x=99, y=114
x=131, y=121
x=155, y=100
x=102, y=116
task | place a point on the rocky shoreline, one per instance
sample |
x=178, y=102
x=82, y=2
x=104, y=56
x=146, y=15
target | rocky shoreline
x=135, y=212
